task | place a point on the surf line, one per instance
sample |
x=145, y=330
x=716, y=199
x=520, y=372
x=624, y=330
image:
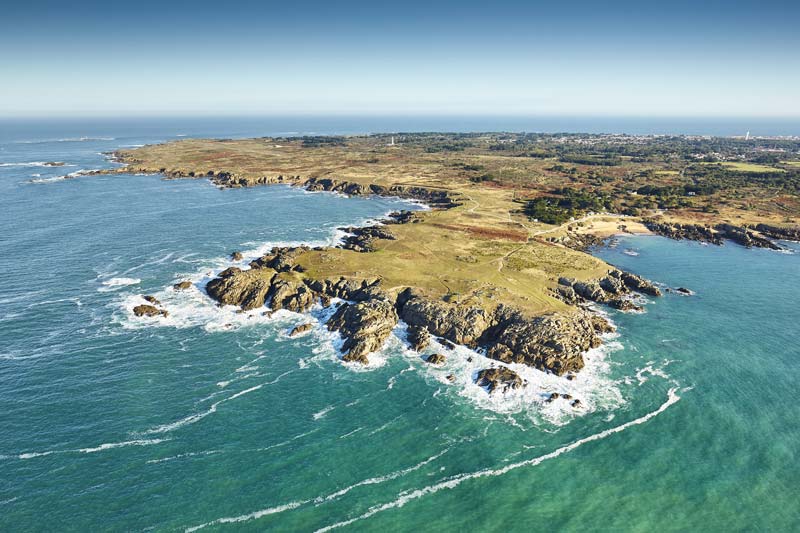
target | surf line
x=405, y=497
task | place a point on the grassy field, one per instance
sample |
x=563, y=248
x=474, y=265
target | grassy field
x=748, y=167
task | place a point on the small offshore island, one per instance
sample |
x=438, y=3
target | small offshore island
x=499, y=262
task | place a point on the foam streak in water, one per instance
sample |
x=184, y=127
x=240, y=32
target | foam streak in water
x=191, y=419
x=320, y=499
x=95, y=449
x=404, y=498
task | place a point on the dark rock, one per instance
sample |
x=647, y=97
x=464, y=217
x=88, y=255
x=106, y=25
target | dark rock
x=152, y=299
x=684, y=291
x=451, y=378
x=623, y=304
x=576, y=404
x=779, y=233
x=280, y=259
x=499, y=379
x=418, y=337
x=182, y=285
x=436, y=359
x=298, y=330
x=237, y=256
x=365, y=326
x=553, y=396
x=691, y=232
x=745, y=237
x=149, y=310
x=247, y=289
x=636, y=283
x=363, y=239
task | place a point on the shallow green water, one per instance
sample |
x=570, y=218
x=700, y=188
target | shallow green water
x=215, y=419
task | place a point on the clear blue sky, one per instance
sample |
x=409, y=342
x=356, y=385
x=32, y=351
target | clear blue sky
x=492, y=57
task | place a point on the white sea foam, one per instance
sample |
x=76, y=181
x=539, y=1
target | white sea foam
x=117, y=283
x=593, y=385
x=452, y=482
x=183, y=456
x=94, y=449
x=66, y=140
x=34, y=164
x=323, y=412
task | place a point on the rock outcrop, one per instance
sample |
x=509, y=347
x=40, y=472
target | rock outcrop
x=760, y=238
x=365, y=326
x=779, y=233
x=149, y=311
x=500, y=379
x=247, y=289
x=418, y=337
x=613, y=290
x=302, y=328
x=182, y=285
x=363, y=239
x=436, y=359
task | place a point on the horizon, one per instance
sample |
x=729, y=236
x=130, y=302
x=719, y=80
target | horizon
x=362, y=59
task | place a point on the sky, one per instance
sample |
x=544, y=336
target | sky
x=561, y=58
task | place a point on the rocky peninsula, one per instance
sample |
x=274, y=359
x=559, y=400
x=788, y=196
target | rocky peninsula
x=477, y=269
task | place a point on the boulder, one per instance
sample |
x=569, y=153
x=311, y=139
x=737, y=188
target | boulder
x=149, y=310
x=499, y=379
x=299, y=330
x=436, y=359
x=237, y=256
x=152, y=299
x=182, y=285
x=624, y=304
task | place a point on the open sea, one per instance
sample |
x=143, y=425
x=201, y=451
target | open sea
x=219, y=421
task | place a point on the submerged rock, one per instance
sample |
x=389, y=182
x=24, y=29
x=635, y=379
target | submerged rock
x=237, y=256
x=499, y=379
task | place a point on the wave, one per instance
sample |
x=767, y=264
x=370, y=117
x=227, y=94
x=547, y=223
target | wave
x=94, y=449
x=320, y=499
x=34, y=164
x=183, y=456
x=66, y=140
x=450, y=483
x=117, y=283
x=196, y=417
x=594, y=385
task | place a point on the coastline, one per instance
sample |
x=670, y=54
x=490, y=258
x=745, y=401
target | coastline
x=462, y=272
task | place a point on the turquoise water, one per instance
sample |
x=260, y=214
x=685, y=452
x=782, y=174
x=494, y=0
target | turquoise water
x=216, y=419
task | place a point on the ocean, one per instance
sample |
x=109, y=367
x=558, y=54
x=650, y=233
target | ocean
x=220, y=421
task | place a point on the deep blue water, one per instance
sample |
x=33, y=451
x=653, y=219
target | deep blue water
x=217, y=419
